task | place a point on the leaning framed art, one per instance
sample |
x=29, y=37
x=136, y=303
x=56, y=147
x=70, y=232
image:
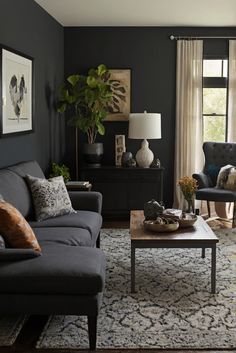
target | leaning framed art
x=16, y=116
x=120, y=83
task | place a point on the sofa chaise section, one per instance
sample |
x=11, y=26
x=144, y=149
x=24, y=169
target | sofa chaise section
x=69, y=277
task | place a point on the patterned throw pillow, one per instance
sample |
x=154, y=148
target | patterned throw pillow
x=2, y=243
x=227, y=178
x=50, y=197
x=15, y=230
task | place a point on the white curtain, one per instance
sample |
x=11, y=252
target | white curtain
x=232, y=93
x=225, y=210
x=188, y=136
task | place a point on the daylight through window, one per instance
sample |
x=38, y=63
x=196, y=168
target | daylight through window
x=215, y=75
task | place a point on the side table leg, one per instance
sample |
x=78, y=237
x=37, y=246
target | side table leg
x=203, y=253
x=213, y=269
x=132, y=268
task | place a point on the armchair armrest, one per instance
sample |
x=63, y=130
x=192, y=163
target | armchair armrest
x=87, y=201
x=202, y=180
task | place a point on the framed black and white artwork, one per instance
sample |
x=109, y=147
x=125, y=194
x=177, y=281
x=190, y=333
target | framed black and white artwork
x=16, y=116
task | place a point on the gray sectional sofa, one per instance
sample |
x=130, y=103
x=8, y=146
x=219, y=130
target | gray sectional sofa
x=69, y=277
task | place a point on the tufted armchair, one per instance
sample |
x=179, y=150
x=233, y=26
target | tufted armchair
x=217, y=155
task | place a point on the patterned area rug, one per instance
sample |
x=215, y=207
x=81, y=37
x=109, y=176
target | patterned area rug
x=173, y=307
x=10, y=327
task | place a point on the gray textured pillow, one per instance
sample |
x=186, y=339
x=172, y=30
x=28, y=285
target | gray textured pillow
x=227, y=178
x=2, y=243
x=50, y=197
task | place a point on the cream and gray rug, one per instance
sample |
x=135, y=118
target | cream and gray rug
x=173, y=306
x=10, y=327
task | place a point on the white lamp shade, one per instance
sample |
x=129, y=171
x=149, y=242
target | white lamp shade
x=145, y=126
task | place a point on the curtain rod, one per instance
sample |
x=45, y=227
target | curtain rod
x=172, y=37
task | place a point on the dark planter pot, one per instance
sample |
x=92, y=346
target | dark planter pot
x=93, y=153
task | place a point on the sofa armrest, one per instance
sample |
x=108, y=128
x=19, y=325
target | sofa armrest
x=202, y=180
x=86, y=200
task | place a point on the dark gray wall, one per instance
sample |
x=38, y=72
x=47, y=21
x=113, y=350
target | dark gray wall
x=151, y=55
x=26, y=27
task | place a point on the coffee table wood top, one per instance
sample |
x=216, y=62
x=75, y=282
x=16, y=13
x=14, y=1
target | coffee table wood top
x=199, y=232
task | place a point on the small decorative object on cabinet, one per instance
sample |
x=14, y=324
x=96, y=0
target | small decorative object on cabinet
x=156, y=163
x=119, y=148
x=16, y=116
x=126, y=157
x=124, y=189
x=144, y=126
x=131, y=163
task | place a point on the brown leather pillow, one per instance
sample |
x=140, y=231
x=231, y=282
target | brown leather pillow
x=15, y=230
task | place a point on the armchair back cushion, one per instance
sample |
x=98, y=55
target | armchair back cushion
x=217, y=155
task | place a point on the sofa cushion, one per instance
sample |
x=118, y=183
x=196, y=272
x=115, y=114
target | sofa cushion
x=9, y=254
x=60, y=270
x=63, y=235
x=29, y=167
x=50, y=197
x=15, y=230
x=212, y=171
x=92, y=221
x=214, y=194
x=15, y=191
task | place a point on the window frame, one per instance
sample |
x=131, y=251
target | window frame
x=216, y=82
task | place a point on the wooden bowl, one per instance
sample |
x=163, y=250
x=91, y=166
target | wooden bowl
x=187, y=222
x=153, y=226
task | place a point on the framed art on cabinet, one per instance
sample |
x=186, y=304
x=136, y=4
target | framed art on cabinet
x=16, y=116
x=120, y=83
x=119, y=148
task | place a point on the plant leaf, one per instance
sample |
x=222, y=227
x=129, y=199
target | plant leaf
x=73, y=79
x=62, y=107
x=101, y=128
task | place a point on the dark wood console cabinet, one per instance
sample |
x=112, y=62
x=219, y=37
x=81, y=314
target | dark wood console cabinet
x=124, y=189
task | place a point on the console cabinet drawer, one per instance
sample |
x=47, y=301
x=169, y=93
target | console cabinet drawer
x=124, y=189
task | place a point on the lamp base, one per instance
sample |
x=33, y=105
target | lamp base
x=144, y=156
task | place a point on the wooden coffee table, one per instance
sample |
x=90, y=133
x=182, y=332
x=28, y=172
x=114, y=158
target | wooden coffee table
x=198, y=236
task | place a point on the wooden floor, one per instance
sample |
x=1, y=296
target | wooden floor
x=29, y=335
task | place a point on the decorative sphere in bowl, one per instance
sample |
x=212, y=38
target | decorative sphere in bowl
x=187, y=220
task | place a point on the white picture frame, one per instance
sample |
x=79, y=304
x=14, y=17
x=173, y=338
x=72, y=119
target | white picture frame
x=17, y=93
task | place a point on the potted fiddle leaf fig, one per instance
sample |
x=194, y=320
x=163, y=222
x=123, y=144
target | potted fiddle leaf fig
x=86, y=99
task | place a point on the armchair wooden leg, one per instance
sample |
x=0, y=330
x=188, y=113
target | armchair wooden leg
x=92, y=330
x=209, y=209
x=234, y=216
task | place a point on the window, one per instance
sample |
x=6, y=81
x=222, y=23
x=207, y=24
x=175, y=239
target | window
x=215, y=78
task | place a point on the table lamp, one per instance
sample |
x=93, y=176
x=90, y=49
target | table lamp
x=144, y=126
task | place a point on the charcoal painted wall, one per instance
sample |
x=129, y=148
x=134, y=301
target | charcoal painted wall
x=26, y=27
x=151, y=56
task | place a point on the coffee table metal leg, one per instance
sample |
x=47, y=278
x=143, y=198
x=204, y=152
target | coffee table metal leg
x=132, y=268
x=213, y=269
x=203, y=253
